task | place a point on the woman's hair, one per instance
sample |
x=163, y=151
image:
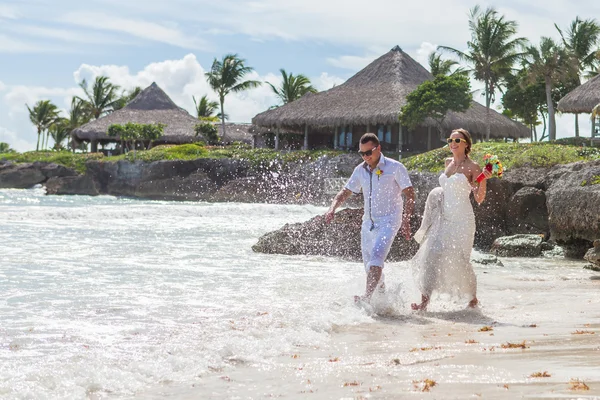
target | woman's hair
x=467, y=137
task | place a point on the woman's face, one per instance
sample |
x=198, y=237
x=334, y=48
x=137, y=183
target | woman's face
x=457, y=148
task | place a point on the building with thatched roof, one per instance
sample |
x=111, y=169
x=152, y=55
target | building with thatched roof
x=151, y=106
x=582, y=99
x=370, y=101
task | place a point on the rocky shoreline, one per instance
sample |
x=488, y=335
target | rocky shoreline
x=560, y=203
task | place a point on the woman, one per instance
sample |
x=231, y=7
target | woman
x=447, y=231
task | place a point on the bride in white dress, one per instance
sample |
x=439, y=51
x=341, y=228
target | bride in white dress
x=447, y=231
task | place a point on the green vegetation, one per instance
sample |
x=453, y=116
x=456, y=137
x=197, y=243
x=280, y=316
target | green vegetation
x=511, y=155
x=208, y=131
x=434, y=99
x=594, y=181
x=71, y=160
x=265, y=158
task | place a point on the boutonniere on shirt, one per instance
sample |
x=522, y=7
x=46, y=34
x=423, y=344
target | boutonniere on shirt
x=378, y=172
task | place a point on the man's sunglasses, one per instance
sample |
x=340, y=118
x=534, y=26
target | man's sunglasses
x=455, y=140
x=367, y=153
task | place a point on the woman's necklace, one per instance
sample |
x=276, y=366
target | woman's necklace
x=458, y=165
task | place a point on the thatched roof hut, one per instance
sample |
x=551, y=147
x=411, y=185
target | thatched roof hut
x=374, y=96
x=151, y=106
x=581, y=99
x=237, y=132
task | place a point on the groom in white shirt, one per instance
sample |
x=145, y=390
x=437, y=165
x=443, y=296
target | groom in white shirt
x=383, y=181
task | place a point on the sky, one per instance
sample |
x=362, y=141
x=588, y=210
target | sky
x=48, y=47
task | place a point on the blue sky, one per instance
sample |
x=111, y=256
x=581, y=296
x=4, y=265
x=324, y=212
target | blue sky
x=46, y=47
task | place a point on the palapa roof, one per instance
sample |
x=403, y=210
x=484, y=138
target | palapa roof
x=375, y=95
x=236, y=132
x=151, y=106
x=582, y=99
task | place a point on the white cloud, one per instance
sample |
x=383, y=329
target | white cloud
x=18, y=96
x=12, y=45
x=181, y=79
x=14, y=141
x=326, y=81
x=8, y=12
x=66, y=35
x=2, y=86
x=422, y=53
x=354, y=63
x=135, y=27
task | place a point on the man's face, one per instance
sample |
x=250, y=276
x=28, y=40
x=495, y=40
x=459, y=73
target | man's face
x=369, y=152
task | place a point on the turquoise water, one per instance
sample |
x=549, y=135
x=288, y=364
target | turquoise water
x=118, y=298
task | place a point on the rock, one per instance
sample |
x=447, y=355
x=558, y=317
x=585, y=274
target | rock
x=486, y=259
x=20, y=176
x=527, y=212
x=51, y=170
x=597, y=243
x=490, y=216
x=341, y=239
x=196, y=186
x=593, y=256
x=595, y=268
x=527, y=176
x=554, y=252
x=574, y=202
x=518, y=246
x=72, y=185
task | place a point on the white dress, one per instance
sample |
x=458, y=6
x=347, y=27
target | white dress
x=446, y=236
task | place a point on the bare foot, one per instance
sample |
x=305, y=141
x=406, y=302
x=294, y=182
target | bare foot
x=422, y=306
x=358, y=299
x=473, y=303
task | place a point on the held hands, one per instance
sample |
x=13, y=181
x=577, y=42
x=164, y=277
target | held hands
x=329, y=216
x=405, y=230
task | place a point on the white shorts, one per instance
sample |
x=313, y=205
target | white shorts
x=376, y=243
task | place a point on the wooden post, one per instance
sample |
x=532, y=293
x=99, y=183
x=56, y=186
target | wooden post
x=277, y=138
x=335, y=138
x=593, y=127
x=400, y=140
x=368, y=128
x=305, y=137
x=94, y=146
x=428, y=138
x=351, y=137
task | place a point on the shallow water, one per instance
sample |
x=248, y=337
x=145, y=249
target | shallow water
x=116, y=298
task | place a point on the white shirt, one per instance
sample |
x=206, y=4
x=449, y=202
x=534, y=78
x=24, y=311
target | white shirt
x=382, y=189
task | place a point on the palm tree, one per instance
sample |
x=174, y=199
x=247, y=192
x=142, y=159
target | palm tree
x=492, y=51
x=580, y=41
x=60, y=132
x=102, y=98
x=42, y=115
x=126, y=97
x=205, y=109
x=78, y=114
x=226, y=76
x=292, y=87
x=549, y=62
x=438, y=66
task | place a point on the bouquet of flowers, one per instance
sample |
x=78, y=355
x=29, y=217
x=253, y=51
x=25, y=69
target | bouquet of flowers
x=492, y=164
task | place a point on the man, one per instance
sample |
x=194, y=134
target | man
x=382, y=181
